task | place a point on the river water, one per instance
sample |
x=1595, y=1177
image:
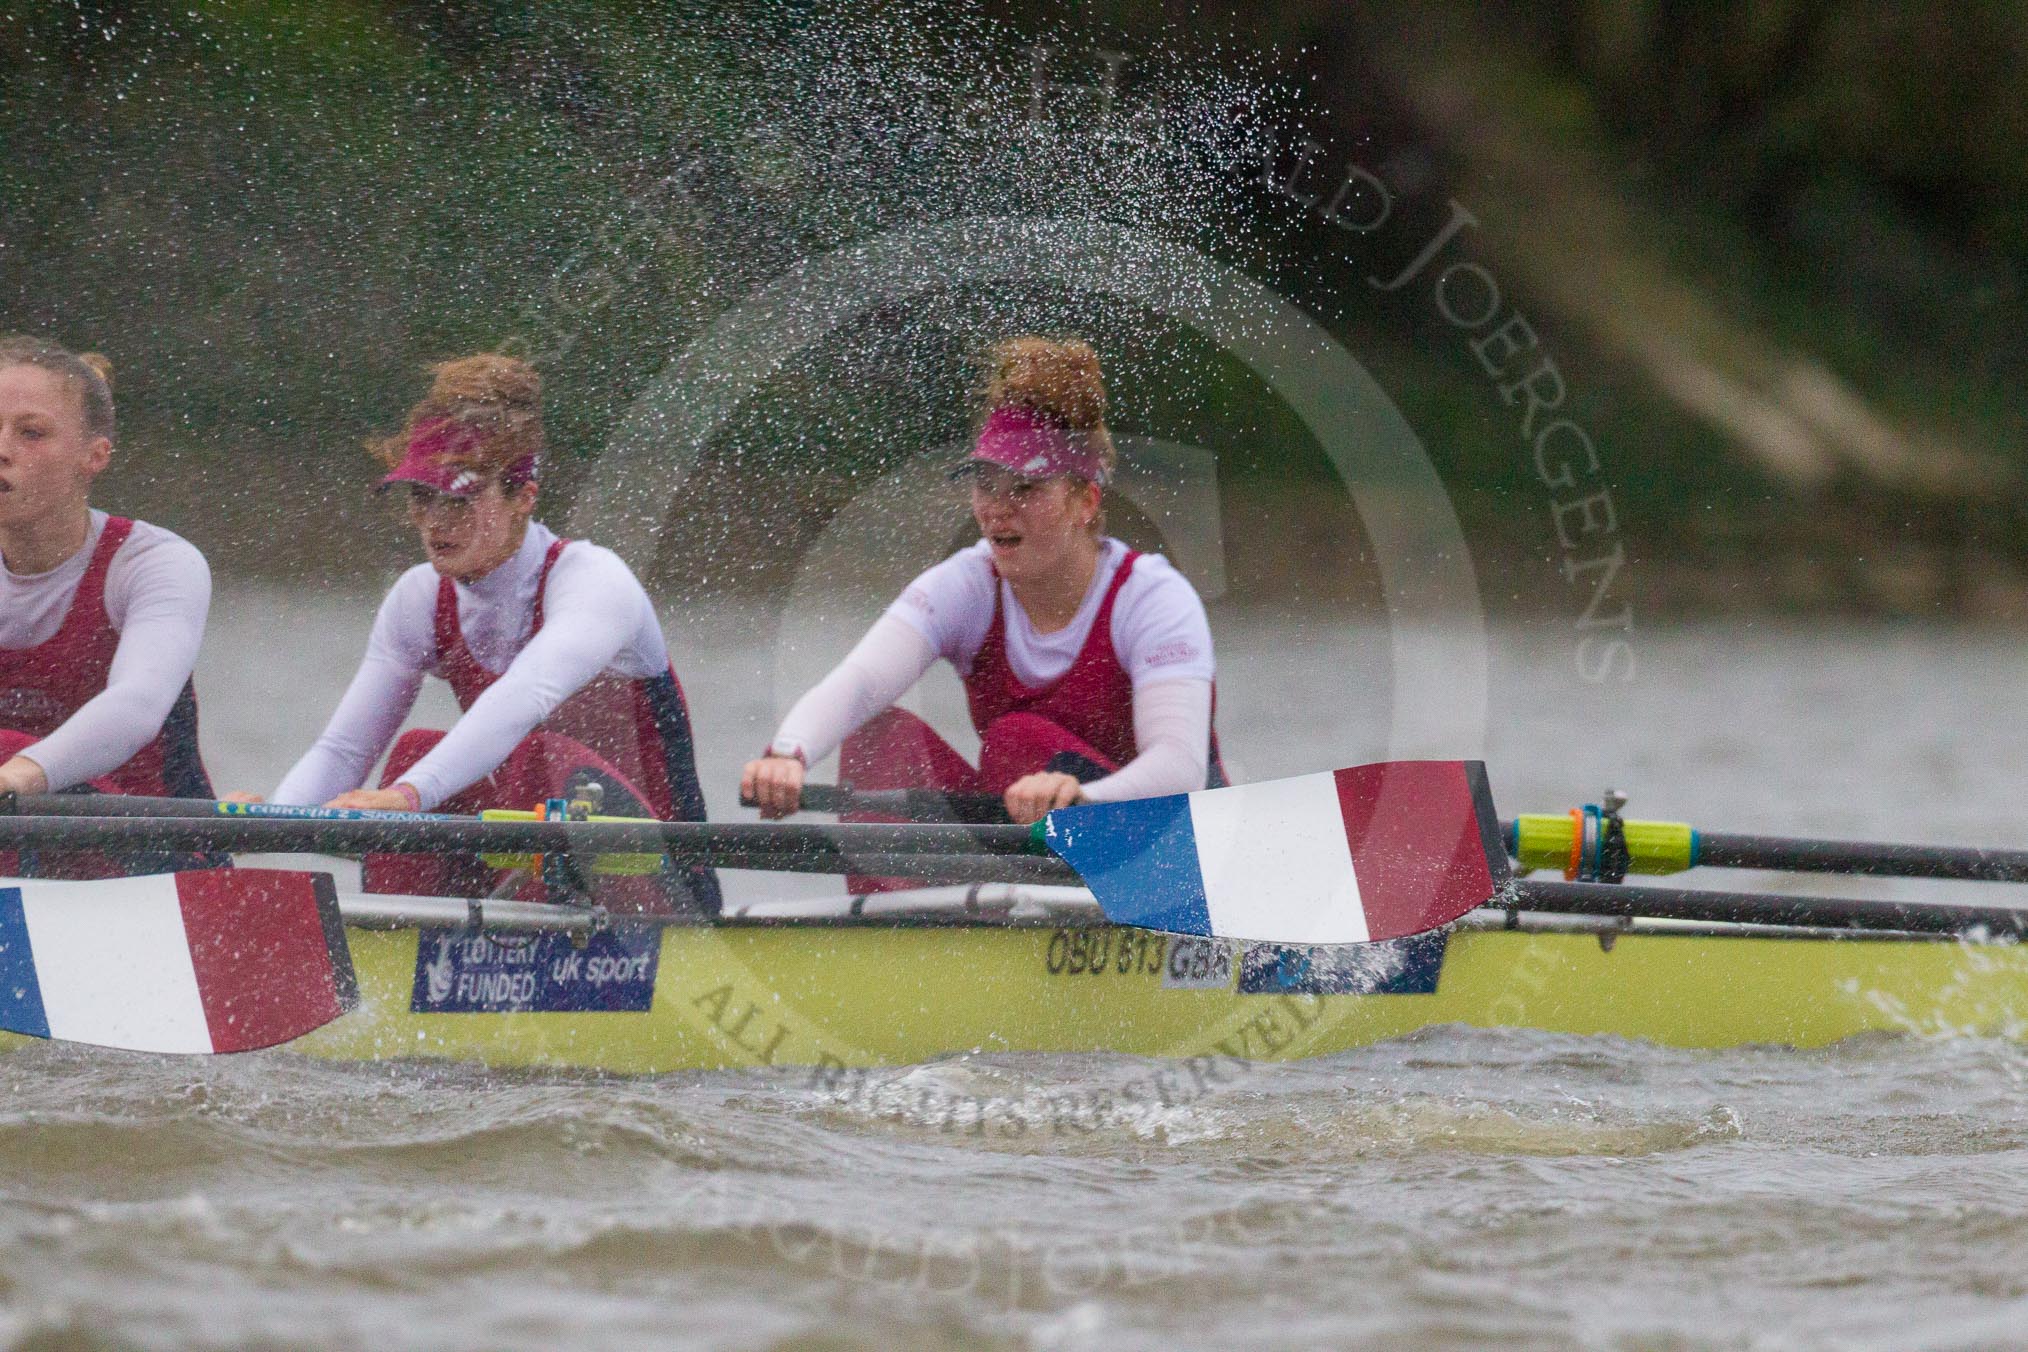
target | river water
x=1451, y=1189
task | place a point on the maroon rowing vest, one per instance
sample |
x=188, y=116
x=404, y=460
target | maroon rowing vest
x=1094, y=698
x=641, y=727
x=42, y=686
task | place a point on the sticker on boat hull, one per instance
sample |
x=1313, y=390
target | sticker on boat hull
x=1198, y=965
x=1182, y=962
x=1408, y=966
x=1395, y=967
x=1101, y=951
x=459, y=972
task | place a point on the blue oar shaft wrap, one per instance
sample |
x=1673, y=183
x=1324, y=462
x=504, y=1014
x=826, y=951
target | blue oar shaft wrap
x=296, y=812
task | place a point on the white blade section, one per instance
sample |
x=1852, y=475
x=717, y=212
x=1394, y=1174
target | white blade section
x=1275, y=862
x=114, y=963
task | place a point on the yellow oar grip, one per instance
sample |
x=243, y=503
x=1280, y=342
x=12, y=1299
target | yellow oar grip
x=1544, y=841
x=626, y=865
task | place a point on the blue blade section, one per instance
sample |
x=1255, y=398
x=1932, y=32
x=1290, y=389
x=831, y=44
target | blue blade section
x=1138, y=858
x=20, y=992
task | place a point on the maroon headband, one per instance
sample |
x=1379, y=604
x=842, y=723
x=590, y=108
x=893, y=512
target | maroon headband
x=426, y=460
x=1035, y=446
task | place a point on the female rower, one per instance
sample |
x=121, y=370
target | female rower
x=551, y=647
x=1087, y=666
x=100, y=616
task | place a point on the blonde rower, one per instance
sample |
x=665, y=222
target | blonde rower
x=101, y=616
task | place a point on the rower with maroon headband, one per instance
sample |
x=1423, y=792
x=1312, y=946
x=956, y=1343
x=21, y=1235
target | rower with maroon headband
x=100, y=616
x=551, y=647
x=1087, y=666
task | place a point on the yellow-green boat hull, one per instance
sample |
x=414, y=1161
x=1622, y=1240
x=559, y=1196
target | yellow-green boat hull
x=865, y=995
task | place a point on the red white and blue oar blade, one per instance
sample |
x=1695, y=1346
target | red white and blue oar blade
x=1346, y=857
x=225, y=960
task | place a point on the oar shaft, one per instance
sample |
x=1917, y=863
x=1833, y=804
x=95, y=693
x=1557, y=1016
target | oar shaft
x=1970, y=863
x=927, y=868
x=137, y=805
x=1655, y=847
x=916, y=805
x=691, y=841
x=1755, y=908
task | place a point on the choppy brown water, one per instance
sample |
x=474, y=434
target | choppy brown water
x=1449, y=1190
x=1454, y=1189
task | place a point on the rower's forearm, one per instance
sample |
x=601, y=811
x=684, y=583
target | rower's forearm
x=104, y=734
x=1172, y=728
x=149, y=670
x=326, y=770
x=1160, y=770
x=882, y=668
x=379, y=698
x=580, y=641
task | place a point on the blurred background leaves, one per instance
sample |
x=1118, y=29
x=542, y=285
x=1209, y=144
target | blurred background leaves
x=1776, y=247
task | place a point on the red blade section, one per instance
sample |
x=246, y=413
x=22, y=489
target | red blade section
x=269, y=949
x=1425, y=842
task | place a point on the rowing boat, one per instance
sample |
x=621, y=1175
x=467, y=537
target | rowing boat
x=1178, y=945
x=907, y=987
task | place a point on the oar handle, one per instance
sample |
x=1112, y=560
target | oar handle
x=693, y=842
x=917, y=805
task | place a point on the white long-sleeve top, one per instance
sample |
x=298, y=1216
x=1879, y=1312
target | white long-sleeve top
x=1159, y=632
x=597, y=619
x=158, y=595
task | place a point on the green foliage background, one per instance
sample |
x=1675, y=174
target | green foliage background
x=271, y=212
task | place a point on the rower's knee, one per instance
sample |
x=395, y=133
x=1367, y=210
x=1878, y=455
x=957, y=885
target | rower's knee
x=892, y=749
x=409, y=748
x=1020, y=744
x=891, y=726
